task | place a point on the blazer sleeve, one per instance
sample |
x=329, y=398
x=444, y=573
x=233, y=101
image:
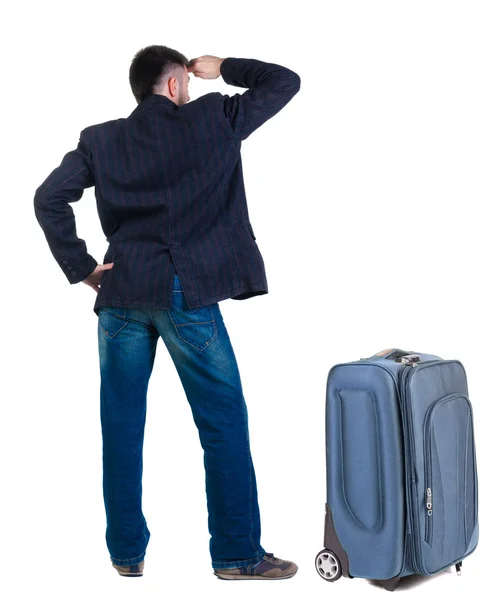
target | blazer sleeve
x=55, y=215
x=271, y=87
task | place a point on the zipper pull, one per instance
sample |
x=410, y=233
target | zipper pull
x=429, y=504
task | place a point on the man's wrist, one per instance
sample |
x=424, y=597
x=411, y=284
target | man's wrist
x=220, y=64
x=82, y=270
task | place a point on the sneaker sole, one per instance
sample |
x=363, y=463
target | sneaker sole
x=229, y=577
x=127, y=574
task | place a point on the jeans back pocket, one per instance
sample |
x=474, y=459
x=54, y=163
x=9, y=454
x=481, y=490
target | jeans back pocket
x=112, y=319
x=197, y=326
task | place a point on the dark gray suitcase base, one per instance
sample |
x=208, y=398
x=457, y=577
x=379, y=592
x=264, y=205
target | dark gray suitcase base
x=332, y=560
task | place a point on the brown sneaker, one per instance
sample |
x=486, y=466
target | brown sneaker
x=269, y=567
x=130, y=570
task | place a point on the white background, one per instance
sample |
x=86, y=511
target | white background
x=368, y=196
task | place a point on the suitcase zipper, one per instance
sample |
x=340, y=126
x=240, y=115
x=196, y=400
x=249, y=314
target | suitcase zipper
x=429, y=513
x=411, y=495
x=411, y=475
x=428, y=464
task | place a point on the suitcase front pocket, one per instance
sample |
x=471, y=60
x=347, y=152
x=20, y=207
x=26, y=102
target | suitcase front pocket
x=450, y=485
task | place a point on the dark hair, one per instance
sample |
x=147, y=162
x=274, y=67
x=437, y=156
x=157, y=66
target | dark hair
x=149, y=66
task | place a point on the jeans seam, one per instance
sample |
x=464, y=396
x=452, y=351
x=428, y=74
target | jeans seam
x=152, y=319
x=250, y=475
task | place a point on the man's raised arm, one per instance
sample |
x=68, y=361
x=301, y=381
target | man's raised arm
x=270, y=88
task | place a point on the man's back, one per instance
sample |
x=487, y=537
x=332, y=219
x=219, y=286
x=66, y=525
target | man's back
x=170, y=194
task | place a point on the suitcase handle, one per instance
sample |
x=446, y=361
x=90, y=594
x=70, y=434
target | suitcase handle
x=408, y=359
x=392, y=354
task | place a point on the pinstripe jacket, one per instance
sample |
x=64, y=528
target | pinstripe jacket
x=170, y=194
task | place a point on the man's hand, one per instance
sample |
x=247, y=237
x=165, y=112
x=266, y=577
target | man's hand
x=94, y=279
x=206, y=67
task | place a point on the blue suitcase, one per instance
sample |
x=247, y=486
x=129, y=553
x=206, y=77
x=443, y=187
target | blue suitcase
x=402, y=490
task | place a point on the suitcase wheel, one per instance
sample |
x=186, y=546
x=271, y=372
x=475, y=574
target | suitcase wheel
x=328, y=565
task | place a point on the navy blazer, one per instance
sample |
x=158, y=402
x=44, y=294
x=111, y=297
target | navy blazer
x=170, y=194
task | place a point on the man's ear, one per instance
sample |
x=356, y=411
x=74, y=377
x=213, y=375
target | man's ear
x=171, y=85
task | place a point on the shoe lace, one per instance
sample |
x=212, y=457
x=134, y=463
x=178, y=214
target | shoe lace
x=271, y=556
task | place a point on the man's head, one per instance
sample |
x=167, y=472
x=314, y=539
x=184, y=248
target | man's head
x=159, y=70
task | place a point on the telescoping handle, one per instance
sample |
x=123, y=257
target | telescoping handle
x=404, y=356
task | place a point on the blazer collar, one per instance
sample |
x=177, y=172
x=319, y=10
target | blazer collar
x=153, y=100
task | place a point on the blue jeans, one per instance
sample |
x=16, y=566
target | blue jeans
x=201, y=350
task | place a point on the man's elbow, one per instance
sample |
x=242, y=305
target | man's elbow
x=38, y=202
x=42, y=196
x=292, y=83
x=296, y=82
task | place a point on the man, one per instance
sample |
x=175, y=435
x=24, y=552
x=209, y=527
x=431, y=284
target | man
x=170, y=196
